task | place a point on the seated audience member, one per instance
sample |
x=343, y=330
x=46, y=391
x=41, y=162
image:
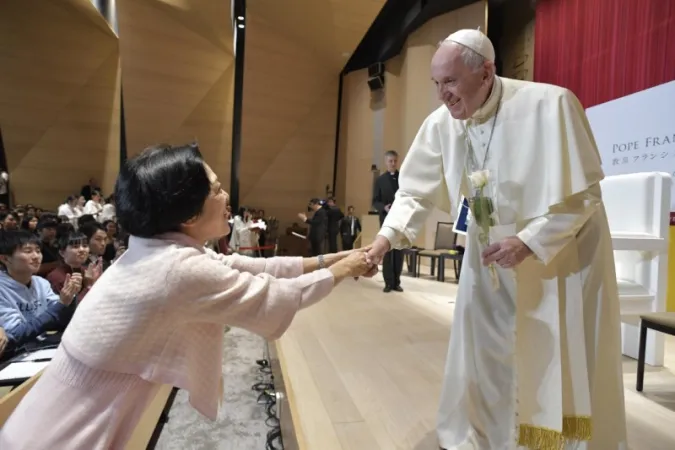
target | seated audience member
x=112, y=244
x=79, y=207
x=28, y=305
x=29, y=223
x=18, y=214
x=46, y=228
x=8, y=221
x=69, y=209
x=157, y=315
x=97, y=244
x=108, y=210
x=74, y=252
x=85, y=218
x=94, y=206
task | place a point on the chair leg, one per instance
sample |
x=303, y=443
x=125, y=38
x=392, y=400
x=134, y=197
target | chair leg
x=641, y=357
x=441, y=269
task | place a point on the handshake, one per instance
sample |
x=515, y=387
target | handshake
x=361, y=262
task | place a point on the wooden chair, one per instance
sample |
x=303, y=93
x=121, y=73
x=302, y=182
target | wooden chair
x=663, y=322
x=10, y=401
x=445, y=248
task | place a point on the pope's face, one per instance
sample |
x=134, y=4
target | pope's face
x=462, y=89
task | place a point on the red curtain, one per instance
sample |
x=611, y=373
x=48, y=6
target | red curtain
x=604, y=49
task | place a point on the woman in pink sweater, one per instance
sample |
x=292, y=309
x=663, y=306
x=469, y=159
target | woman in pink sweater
x=156, y=316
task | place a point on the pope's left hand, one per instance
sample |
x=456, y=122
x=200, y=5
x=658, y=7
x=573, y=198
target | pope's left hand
x=507, y=253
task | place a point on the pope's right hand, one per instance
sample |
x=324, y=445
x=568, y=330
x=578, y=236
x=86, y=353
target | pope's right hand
x=378, y=249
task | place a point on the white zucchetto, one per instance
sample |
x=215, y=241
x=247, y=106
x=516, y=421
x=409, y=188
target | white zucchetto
x=476, y=41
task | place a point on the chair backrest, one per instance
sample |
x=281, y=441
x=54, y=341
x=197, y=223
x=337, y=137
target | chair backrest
x=638, y=202
x=445, y=237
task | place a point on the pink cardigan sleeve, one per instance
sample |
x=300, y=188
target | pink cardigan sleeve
x=214, y=292
x=278, y=267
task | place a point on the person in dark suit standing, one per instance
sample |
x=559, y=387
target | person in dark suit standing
x=350, y=227
x=317, y=225
x=335, y=214
x=385, y=189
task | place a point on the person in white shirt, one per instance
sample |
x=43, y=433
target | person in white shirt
x=4, y=187
x=94, y=206
x=108, y=211
x=69, y=210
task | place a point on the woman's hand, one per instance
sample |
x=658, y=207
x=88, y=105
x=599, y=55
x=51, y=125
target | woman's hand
x=354, y=266
x=71, y=287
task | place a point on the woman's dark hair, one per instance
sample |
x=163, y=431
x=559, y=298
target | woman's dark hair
x=25, y=223
x=242, y=211
x=72, y=238
x=160, y=189
x=85, y=219
x=89, y=229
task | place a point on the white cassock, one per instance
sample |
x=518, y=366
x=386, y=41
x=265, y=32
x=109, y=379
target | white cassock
x=535, y=364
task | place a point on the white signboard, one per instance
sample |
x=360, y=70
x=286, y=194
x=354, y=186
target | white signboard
x=636, y=133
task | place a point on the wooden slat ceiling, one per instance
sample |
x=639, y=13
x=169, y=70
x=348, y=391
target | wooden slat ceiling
x=332, y=28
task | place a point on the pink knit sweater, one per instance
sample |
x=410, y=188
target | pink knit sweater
x=155, y=317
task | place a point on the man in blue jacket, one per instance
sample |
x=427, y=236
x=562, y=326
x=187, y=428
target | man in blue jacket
x=28, y=305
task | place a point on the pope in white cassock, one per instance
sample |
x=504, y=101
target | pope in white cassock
x=534, y=360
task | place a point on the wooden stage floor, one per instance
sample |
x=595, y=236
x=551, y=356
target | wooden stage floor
x=363, y=371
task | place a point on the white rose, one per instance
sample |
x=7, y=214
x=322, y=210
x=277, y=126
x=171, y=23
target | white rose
x=479, y=179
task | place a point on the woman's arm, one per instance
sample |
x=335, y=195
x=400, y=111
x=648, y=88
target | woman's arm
x=216, y=293
x=278, y=266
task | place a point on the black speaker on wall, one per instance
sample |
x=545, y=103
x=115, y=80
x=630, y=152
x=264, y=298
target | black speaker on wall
x=376, y=76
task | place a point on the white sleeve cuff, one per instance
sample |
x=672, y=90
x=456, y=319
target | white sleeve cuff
x=529, y=237
x=396, y=240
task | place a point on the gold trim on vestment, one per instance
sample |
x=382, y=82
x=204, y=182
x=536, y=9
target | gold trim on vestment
x=575, y=428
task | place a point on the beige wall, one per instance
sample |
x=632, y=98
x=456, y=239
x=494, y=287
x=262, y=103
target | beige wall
x=288, y=123
x=59, y=98
x=409, y=97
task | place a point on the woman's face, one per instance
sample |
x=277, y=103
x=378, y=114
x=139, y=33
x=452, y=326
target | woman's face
x=212, y=223
x=81, y=201
x=75, y=254
x=32, y=224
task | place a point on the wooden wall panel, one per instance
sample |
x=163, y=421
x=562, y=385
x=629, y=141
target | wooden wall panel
x=59, y=98
x=357, y=141
x=178, y=75
x=288, y=128
x=517, y=43
x=295, y=51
